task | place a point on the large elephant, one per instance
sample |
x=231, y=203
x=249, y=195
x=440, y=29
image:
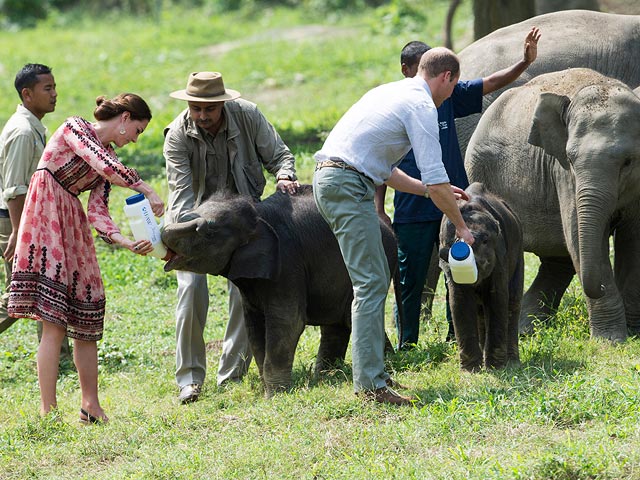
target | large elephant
x=563, y=152
x=286, y=263
x=604, y=42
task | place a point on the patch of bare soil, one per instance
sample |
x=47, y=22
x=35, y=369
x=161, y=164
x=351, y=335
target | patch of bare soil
x=289, y=34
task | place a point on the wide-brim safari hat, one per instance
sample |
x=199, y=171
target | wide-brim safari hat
x=205, y=87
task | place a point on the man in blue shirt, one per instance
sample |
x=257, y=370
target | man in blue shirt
x=416, y=219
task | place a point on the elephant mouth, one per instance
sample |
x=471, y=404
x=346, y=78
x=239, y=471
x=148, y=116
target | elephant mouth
x=173, y=263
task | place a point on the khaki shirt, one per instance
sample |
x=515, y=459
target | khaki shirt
x=252, y=143
x=21, y=144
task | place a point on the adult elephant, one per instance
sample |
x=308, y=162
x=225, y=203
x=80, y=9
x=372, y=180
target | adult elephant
x=604, y=42
x=563, y=152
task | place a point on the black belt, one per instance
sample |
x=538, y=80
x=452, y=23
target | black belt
x=4, y=213
x=339, y=164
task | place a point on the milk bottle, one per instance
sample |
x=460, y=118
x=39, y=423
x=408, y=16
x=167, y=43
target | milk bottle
x=462, y=263
x=143, y=223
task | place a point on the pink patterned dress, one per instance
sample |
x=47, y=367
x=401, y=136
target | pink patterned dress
x=56, y=277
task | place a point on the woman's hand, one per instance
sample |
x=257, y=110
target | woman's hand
x=141, y=247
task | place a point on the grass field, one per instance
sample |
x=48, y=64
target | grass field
x=568, y=412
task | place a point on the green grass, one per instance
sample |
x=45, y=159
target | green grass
x=568, y=412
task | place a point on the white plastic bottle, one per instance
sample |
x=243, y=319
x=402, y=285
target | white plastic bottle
x=143, y=224
x=462, y=263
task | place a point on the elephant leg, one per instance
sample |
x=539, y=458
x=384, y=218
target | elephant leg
x=516, y=287
x=627, y=270
x=495, y=306
x=465, y=322
x=546, y=291
x=606, y=314
x=255, y=323
x=334, y=340
x=283, y=331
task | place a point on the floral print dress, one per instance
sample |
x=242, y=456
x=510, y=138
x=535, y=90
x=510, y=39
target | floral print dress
x=56, y=277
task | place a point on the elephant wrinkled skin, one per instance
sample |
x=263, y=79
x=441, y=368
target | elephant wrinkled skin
x=604, y=42
x=563, y=152
x=286, y=263
x=485, y=314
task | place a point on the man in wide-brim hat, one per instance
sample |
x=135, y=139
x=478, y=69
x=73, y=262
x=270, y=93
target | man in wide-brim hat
x=219, y=142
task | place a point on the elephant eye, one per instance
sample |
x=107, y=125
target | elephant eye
x=627, y=162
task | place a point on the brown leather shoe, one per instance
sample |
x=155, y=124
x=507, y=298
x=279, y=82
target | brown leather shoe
x=386, y=395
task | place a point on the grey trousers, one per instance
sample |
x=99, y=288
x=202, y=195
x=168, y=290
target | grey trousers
x=191, y=319
x=345, y=200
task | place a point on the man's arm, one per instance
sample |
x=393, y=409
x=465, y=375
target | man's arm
x=15, y=207
x=17, y=171
x=504, y=77
x=179, y=173
x=275, y=155
x=442, y=194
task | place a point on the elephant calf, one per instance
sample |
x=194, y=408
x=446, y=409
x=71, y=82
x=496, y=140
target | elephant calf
x=485, y=314
x=287, y=264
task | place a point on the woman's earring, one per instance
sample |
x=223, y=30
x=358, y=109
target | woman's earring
x=122, y=131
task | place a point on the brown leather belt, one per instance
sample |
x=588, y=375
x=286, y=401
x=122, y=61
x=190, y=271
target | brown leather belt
x=339, y=164
x=335, y=164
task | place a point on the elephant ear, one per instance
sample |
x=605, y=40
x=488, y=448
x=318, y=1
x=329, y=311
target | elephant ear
x=260, y=258
x=548, y=128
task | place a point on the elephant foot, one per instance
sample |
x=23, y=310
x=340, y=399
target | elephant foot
x=495, y=365
x=615, y=336
x=472, y=367
x=514, y=363
x=272, y=389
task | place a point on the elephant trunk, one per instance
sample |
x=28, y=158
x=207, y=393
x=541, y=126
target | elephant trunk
x=595, y=207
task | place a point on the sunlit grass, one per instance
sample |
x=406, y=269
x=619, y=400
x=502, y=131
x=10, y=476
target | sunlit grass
x=569, y=411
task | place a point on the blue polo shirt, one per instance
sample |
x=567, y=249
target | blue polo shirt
x=466, y=99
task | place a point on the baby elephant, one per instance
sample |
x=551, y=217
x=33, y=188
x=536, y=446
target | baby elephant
x=287, y=264
x=485, y=313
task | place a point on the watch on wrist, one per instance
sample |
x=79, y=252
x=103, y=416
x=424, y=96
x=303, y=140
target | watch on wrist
x=283, y=177
x=426, y=193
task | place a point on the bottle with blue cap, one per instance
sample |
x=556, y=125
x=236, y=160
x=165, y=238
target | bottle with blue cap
x=143, y=224
x=462, y=263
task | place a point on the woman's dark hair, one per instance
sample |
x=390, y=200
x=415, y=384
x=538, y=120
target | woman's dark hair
x=125, y=102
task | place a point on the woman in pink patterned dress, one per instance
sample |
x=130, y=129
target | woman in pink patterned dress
x=56, y=278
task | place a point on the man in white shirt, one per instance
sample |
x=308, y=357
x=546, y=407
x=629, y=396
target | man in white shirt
x=362, y=151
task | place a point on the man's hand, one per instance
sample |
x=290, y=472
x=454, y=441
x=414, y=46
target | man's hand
x=288, y=186
x=459, y=193
x=11, y=247
x=531, y=45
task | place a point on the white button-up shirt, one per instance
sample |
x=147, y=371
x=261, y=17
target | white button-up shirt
x=378, y=131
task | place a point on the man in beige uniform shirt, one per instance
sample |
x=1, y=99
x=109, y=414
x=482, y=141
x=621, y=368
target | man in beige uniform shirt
x=21, y=144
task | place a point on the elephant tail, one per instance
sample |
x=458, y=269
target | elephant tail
x=397, y=291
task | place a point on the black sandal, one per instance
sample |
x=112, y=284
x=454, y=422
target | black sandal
x=86, y=417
